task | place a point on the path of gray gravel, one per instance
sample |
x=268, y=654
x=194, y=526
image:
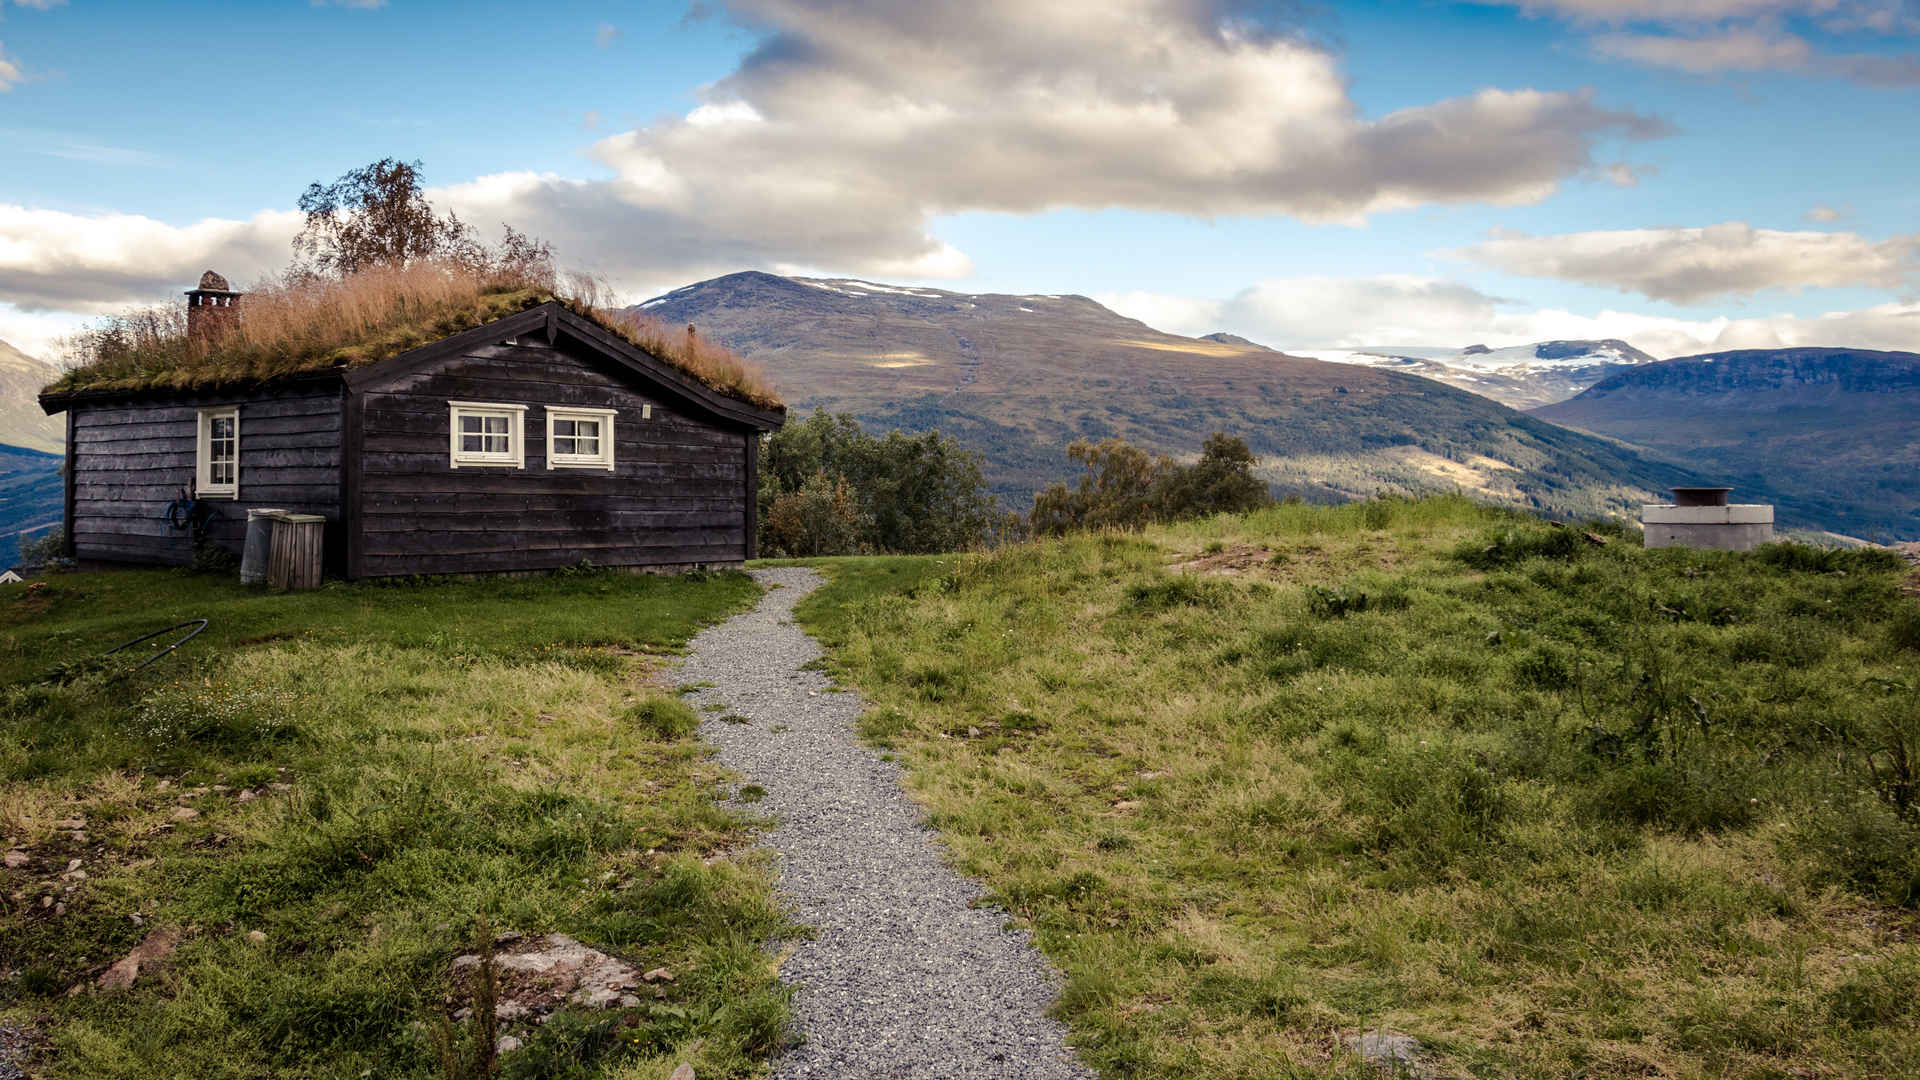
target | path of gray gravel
x=905, y=979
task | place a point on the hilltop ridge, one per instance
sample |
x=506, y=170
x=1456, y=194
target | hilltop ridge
x=1837, y=428
x=1018, y=376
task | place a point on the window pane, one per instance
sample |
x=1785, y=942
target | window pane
x=470, y=444
x=589, y=446
x=496, y=444
x=565, y=427
x=564, y=445
x=469, y=423
x=221, y=427
x=496, y=425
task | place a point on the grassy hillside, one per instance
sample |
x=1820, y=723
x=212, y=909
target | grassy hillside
x=1555, y=808
x=356, y=774
x=1830, y=434
x=1019, y=377
x=31, y=494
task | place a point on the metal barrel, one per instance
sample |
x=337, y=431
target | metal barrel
x=253, y=557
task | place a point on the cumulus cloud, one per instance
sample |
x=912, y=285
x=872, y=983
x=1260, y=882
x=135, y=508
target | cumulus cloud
x=72, y=262
x=1175, y=105
x=854, y=124
x=1685, y=265
x=1406, y=310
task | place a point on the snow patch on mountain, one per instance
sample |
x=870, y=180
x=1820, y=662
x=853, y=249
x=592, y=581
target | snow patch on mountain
x=1511, y=360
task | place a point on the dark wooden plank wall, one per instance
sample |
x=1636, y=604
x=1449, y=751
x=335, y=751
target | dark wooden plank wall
x=677, y=495
x=131, y=460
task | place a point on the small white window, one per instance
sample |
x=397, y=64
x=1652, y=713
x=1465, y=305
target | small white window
x=579, y=438
x=218, y=461
x=487, y=434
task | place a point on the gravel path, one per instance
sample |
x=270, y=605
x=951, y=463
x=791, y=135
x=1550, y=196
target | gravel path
x=904, y=978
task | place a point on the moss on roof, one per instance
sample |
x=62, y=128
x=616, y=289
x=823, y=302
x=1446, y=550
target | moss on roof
x=333, y=325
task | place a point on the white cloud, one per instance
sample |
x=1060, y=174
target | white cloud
x=1729, y=50
x=38, y=333
x=1686, y=265
x=11, y=74
x=1622, y=174
x=607, y=35
x=1826, y=214
x=859, y=108
x=1345, y=313
x=1708, y=36
x=72, y=262
x=855, y=123
x=1755, y=50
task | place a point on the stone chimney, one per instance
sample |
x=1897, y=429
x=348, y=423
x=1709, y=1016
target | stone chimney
x=211, y=308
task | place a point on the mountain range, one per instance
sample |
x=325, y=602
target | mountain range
x=31, y=445
x=1834, y=433
x=1018, y=377
x=1522, y=376
x=22, y=423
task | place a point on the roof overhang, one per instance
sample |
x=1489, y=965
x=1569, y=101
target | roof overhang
x=554, y=322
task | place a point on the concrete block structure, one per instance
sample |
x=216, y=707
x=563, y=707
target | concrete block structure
x=1702, y=518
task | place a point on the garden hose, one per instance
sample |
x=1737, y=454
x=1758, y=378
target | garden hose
x=197, y=624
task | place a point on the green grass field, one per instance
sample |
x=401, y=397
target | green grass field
x=1555, y=807
x=415, y=758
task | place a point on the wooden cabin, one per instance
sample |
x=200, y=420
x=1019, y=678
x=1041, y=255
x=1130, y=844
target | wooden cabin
x=541, y=440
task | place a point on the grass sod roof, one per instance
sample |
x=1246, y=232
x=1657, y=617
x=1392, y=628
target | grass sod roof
x=285, y=331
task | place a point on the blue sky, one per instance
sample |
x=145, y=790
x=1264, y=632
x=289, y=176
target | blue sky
x=985, y=148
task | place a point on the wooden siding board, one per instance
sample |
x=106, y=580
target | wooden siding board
x=70, y=473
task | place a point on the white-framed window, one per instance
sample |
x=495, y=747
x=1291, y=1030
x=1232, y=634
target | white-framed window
x=484, y=433
x=217, y=461
x=579, y=438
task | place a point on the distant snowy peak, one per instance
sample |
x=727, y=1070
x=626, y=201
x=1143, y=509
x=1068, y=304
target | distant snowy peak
x=1521, y=376
x=1511, y=360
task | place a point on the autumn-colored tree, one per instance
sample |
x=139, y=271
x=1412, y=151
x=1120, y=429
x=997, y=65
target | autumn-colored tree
x=912, y=493
x=1124, y=487
x=374, y=215
x=820, y=518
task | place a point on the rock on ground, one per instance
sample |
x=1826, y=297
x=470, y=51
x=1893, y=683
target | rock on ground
x=905, y=977
x=1390, y=1052
x=535, y=977
x=157, y=946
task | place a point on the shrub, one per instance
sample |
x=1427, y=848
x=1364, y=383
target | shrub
x=1127, y=488
x=48, y=547
x=819, y=519
x=906, y=493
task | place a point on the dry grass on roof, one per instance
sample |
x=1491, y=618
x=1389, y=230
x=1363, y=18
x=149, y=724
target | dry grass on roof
x=296, y=326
